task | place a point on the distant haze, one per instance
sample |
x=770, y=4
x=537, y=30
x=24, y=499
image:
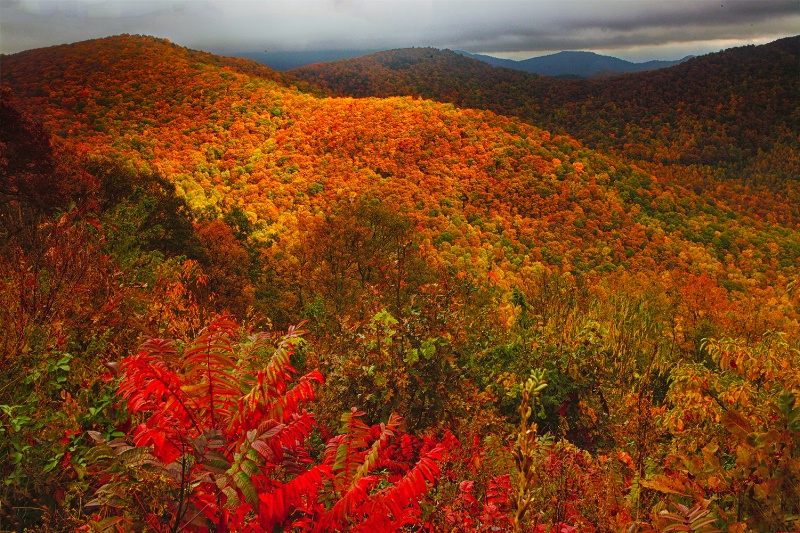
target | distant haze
x=638, y=30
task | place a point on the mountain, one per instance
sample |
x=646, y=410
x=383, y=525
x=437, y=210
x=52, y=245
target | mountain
x=583, y=64
x=293, y=59
x=52, y=63
x=233, y=133
x=568, y=322
x=494, y=61
x=732, y=114
x=228, y=134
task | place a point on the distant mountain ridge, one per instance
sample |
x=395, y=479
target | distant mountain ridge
x=583, y=64
x=283, y=61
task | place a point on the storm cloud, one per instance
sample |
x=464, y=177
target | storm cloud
x=633, y=29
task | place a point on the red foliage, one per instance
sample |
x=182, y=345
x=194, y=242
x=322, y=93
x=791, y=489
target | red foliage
x=230, y=433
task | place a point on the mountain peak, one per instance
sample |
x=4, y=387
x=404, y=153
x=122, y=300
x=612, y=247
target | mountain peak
x=575, y=63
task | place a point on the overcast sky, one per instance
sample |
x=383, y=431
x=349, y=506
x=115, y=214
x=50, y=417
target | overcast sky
x=637, y=30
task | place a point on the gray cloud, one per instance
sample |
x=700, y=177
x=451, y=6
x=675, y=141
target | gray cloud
x=637, y=29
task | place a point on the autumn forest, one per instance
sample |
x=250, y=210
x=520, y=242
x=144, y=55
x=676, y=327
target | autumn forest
x=403, y=292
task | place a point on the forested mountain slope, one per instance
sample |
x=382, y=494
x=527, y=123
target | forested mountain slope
x=47, y=74
x=732, y=115
x=508, y=291
x=229, y=140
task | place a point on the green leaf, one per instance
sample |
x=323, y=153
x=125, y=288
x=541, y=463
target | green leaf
x=232, y=501
x=216, y=462
x=249, y=467
x=412, y=356
x=245, y=484
x=52, y=463
x=428, y=348
x=787, y=402
x=697, y=524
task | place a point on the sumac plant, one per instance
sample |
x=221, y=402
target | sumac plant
x=223, y=444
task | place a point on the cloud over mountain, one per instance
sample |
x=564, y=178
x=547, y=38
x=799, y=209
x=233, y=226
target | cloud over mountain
x=635, y=30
